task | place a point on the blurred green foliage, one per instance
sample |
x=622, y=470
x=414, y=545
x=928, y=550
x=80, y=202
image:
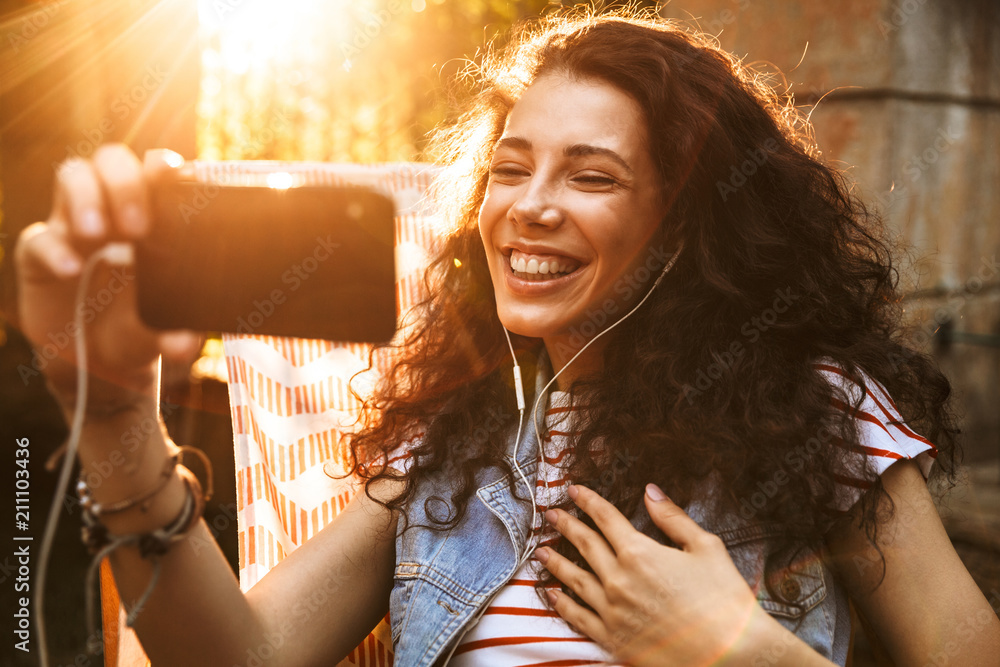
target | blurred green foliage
x=341, y=81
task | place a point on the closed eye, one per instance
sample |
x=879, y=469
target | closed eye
x=508, y=172
x=596, y=182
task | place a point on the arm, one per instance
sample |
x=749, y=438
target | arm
x=329, y=594
x=312, y=608
x=197, y=614
x=927, y=607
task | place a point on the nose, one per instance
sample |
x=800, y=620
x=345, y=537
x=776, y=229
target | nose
x=537, y=205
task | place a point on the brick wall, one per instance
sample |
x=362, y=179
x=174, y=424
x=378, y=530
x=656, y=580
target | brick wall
x=912, y=110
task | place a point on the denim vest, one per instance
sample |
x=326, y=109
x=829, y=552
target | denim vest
x=443, y=580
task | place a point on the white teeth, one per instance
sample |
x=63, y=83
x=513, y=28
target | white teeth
x=533, y=267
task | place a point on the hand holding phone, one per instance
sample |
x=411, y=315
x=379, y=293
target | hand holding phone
x=96, y=202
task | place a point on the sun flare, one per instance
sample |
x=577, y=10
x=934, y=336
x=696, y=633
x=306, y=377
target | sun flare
x=257, y=34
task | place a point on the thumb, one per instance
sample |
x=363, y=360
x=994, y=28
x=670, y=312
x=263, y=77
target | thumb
x=161, y=164
x=181, y=345
x=670, y=518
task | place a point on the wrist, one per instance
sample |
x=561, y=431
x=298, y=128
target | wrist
x=764, y=642
x=125, y=456
x=119, y=435
x=155, y=512
x=106, y=395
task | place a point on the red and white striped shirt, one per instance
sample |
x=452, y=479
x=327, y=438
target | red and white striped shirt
x=883, y=435
x=519, y=630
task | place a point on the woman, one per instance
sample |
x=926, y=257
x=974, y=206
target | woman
x=711, y=474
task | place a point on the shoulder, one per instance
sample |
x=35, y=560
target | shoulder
x=401, y=458
x=883, y=435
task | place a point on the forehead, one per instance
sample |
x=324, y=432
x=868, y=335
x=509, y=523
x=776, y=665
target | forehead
x=559, y=110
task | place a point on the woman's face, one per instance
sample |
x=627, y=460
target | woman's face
x=572, y=212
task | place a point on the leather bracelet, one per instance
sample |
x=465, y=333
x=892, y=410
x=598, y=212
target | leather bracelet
x=95, y=534
x=207, y=463
x=143, y=501
x=158, y=541
x=151, y=545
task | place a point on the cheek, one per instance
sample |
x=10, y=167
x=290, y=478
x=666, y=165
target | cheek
x=487, y=225
x=635, y=246
x=620, y=250
x=628, y=258
x=489, y=213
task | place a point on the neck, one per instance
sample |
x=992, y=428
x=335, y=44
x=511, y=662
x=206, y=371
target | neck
x=560, y=354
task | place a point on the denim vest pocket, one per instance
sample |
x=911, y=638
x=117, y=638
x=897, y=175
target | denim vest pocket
x=789, y=580
x=448, y=594
x=399, y=598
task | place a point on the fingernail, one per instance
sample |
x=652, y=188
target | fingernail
x=551, y=595
x=133, y=220
x=551, y=516
x=168, y=156
x=91, y=223
x=572, y=491
x=542, y=555
x=655, y=493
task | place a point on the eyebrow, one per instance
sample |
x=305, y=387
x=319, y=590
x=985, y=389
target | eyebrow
x=575, y=150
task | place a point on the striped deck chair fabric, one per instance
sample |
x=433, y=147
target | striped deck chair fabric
x=290, y=402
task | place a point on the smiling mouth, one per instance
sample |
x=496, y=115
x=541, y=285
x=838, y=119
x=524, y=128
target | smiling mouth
x=540, y=267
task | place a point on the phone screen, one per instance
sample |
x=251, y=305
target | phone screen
x=309, y=262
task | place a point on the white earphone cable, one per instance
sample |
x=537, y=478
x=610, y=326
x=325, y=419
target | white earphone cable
x=113, y=253
x=519, y=389
x=534, y=410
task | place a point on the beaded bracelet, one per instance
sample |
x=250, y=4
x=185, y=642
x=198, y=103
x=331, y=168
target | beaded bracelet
x=87, y=501
x=96, y=537
x=151, y=545
x=88, y=504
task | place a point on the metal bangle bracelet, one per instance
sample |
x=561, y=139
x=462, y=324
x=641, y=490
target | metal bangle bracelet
x=87, y=500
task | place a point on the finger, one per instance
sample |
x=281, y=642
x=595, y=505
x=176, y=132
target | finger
x=41, y=254
x=582, y=619
x=79, y=200
x=127, y=202
x=581, y=582
x=180, y=345
x=675, y=523
x=160, y=167
x=588, y=542
x=612, y=523
x=161, y=163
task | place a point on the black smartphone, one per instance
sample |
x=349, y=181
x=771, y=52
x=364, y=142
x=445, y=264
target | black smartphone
x=308, y=262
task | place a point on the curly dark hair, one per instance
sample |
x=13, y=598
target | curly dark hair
x=705, y=381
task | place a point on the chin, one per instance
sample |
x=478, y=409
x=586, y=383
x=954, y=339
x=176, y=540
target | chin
x=525, y=331
x=529, y=328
